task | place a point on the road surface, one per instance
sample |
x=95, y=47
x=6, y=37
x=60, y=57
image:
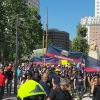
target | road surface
x=14, y=98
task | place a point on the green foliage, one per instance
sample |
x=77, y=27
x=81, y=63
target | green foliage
x=50, y=42
x=29, y=30
x=80, y=44
x=3, y=26
x=82, y=30
x=41, y=44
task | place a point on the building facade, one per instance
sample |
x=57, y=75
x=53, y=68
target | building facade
x=59, y=38
x=97, y=8
x=89, y=22
x=33, y=3
x=92, y=23
x=70, y=45
x=95, y=34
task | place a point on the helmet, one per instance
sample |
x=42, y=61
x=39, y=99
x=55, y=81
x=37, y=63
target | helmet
x=28, y=72
x=57, y=70
x=34, y=91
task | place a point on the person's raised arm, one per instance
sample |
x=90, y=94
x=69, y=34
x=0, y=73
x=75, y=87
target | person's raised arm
x=74, y=83
x=92, y=87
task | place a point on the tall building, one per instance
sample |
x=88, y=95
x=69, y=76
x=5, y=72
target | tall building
x=89, y=22
x=92, y=23
x=97, y=8
x=59, y=38
x=95, y=34
x=70, y=45
x=33, y=3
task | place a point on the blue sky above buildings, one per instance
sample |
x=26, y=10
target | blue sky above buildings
x=65, y=14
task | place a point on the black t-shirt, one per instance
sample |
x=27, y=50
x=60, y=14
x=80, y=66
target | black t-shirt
x=58, y=94
x=56, y=78
x=9, y=74
x=66, y=76
x=79, y=79
x=96, y=93
x=36, y=79
x=46, y=85
x=50, y=76
x=72, y=75
x=88, y=75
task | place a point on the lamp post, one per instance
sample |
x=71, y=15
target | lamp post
x=47, y=31
x=43, y=42
x=15, y=81
x=16, y=61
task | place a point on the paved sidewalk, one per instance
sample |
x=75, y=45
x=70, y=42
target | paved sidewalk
x=13, y=97
x=7, y=97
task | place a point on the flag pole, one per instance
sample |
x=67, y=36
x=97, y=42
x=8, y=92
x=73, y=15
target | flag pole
x=47, y=30
x=43, y=41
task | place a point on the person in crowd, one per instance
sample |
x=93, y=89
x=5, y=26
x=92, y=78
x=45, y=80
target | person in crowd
x=36, y=76
x=66, y=74
x=56, y=78
x=72, y=76
x=19, y=74
x=50, y=75
x=69, y=72
x=95, y=88
x=60, y=93
x=88, y=82
x=47, y=71
x=28, y=76
x=23, y=74
x=3, y=82
x=45, y=83
x=9, y=74
x=79, y=84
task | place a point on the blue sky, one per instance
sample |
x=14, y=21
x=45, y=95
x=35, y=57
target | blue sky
x=65, y=14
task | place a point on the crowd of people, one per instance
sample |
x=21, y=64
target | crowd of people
x=60, y=82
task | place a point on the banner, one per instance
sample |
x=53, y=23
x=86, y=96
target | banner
x=44, y=60
x=63, y=54
x=92, y=65
x=44, y=56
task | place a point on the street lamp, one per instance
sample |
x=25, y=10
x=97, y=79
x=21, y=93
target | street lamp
x=16, y=62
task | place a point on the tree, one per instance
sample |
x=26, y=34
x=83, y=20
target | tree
x=82, y=30
x=3, y=26
x=29, y=31
x=80, y=44
x=50, y=42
